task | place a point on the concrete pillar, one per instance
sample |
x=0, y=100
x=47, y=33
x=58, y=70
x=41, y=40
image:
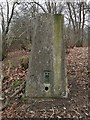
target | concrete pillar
x=47, y=77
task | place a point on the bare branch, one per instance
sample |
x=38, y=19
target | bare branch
x=73, y=7
x=9, y=21
x=3, y=21
x=83, y=16
x=80, y=5
x=7, y=10
x=38, y=5
x=68, y=4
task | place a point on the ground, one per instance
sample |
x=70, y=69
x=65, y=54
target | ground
x=16, y=105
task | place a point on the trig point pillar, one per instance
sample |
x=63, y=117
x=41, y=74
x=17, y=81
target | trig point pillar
x=47, y=78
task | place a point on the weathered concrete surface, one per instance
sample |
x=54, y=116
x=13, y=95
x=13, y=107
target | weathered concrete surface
x=47, y=61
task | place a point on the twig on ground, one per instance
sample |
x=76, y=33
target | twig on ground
x=52, y=113
x=13, y=95
x=9, y=67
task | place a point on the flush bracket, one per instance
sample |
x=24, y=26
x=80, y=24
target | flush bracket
x=46, y=76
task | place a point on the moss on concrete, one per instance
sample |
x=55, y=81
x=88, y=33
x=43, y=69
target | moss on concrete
x=58, y=21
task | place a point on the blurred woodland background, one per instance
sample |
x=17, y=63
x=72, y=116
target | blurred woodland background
x=15, y=50
x=16, y=16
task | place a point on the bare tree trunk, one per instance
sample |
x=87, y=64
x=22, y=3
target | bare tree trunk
x=4, y=46
x=5, y=27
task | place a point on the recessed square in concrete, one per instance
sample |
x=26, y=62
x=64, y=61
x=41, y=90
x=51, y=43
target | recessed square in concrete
x=47, y=78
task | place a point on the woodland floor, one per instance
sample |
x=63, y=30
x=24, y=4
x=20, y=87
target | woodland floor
x=75, y=106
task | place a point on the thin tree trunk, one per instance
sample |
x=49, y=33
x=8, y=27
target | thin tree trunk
x=4, y=46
